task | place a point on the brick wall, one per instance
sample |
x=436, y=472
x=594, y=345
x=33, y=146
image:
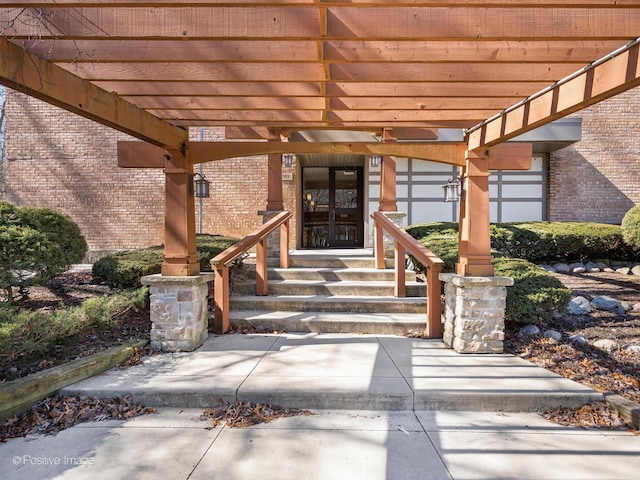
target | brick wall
x=62, y=161
x=598, y=178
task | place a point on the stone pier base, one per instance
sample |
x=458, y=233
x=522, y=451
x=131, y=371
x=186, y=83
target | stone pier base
x=273, y=240
x=387, y=239
x=179, y=311
x=474, y=312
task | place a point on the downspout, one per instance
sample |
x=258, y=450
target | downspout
x=201, y=176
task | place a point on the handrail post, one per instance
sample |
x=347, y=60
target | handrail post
x=378, y=244
x=434, y=307
x=400, y=289
x=262, y=287
x=221, y=299
x=284, y=245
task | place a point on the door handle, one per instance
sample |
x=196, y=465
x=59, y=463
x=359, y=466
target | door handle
x=333, y=215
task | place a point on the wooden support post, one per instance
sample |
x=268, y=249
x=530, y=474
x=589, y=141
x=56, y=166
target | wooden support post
x=284, y=245
x=474, y=257
x=221, y=299
x=378, y=245
x=400, y=288
x=180, y=257
x=274, y=177
x=434, y=307
x=388, y=196
x=262, y=287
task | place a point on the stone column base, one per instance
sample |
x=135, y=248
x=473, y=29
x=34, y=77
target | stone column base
x=179, y=311
x=387, y=240
x=273, y=240
x=474, y=312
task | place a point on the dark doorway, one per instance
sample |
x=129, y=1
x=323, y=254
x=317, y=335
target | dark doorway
x=333, y=206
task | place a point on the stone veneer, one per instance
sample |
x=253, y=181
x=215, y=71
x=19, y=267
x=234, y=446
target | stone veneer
x=474, y=312
x=387, y=239
x=179, y=311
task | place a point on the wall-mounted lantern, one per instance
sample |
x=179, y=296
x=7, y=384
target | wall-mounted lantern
x=453, y=190
x=201, y=186
x=375, y=160
x=287, y=158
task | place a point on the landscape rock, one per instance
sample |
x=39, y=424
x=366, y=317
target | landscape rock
x=529, y=331
x=577, y=267
x=562, y=268
x=636, y=307
x=592, y=267
x=579, y=306
x=607, y=304
x=635, y=349
x=604, y=267
x=623, y=270
x=636, y=270
x=548, y=268
x=579, y=339
x=628, y=306
x=606, y=344
x=553, y=334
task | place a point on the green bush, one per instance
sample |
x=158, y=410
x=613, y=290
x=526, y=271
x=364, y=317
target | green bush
x=124, y=269
x=25, y=333
x=631, y=227
x=36, y=245
x=535, y=294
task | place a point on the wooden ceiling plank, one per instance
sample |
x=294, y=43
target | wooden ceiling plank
x=193, y=71
x=435, y=89
x=421, y=103
x=232, y=89
x=47, y=82
x=230, y=103
x=473, y=51
x=209, y=51
x=425, y=3
x=613, y=76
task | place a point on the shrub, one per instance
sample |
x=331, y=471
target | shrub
x=25, y=333
x=36, y=245
x=124, y=269
x=535, y=294
x=631, y=227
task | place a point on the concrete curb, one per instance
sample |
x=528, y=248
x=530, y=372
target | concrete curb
x=18, y=395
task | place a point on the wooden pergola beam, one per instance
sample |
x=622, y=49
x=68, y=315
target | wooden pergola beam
x=615, y=74
x=41, y=79
x=512, y=156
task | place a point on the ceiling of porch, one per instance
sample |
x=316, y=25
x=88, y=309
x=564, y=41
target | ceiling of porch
x=304, y=65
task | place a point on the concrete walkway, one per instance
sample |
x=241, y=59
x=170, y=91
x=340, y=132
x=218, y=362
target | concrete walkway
x=385, y=408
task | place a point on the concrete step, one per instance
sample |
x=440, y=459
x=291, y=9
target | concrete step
x=322, y=287
x=330, y=322
x=324, y=303
x=333, y=261
x=335, y=274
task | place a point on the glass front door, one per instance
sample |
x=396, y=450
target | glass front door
x=332, y=200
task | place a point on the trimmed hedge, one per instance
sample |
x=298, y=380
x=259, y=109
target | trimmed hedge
x=631, y=227
x=124, y=269
x=535, y=295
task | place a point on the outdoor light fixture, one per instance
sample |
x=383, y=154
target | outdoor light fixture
x=201, y=186
x=453, y=190
x=376, y=160
x=288, y=159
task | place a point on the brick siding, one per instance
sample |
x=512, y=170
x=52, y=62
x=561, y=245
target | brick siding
x=598, y=178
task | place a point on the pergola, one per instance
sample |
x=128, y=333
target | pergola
x=265, y=69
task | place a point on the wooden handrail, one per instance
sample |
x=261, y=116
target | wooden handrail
x=403, y=242
x=220, y=264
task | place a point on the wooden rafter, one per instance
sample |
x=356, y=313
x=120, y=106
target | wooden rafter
x=44, y=80
x=320, y=64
